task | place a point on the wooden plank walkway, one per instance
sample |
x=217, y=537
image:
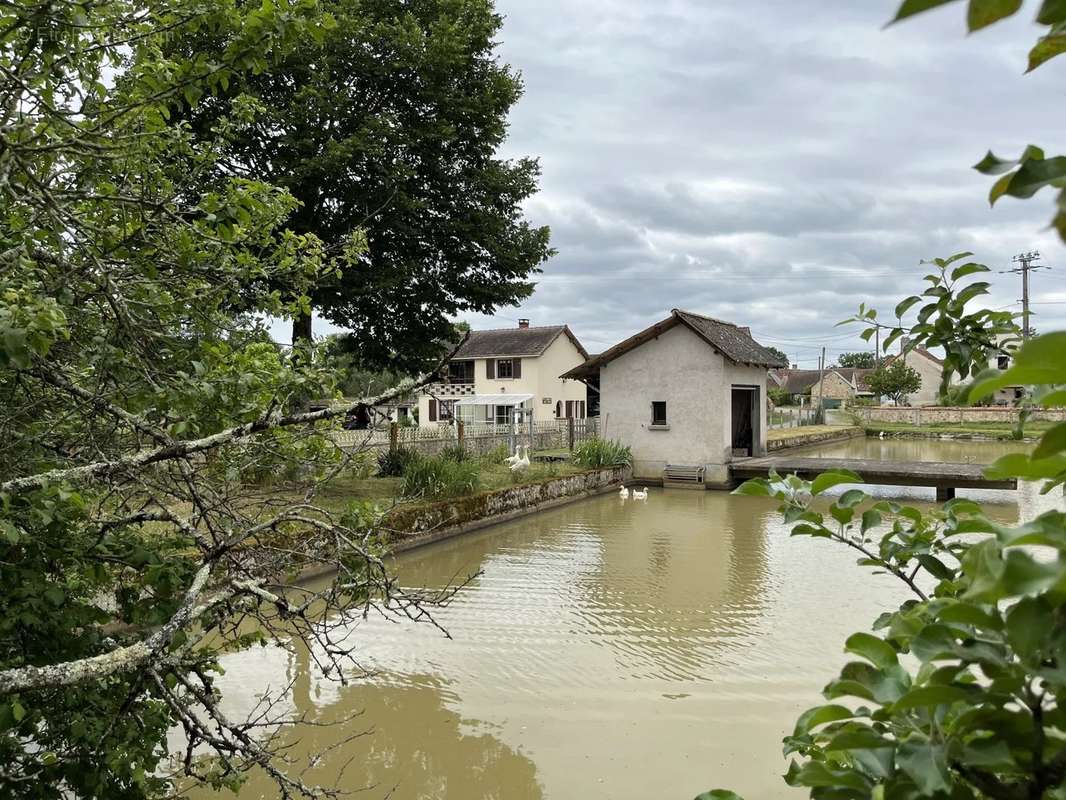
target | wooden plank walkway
x=944, y=477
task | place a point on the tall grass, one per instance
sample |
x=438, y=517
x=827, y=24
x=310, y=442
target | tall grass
x=393, y=463
x=600, y=453
x=438, y=478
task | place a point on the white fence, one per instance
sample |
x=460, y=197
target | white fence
x=480, y=438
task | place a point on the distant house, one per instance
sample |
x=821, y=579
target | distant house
x=506, y=375
x=1009, y=395
x=929, y=367
x=839, y=386
x=689, y=392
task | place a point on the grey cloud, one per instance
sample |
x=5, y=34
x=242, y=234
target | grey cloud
x=772, y=162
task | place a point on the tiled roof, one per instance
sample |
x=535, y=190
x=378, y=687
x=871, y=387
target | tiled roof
x=798, y=381
x=735, y=342
x=920, y=351
x=514, y=342
x=732, y=341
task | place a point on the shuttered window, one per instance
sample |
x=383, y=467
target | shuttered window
x=504, y=368
x=490, y=368
x=432, y=410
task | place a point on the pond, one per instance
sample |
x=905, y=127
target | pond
x=608, y=649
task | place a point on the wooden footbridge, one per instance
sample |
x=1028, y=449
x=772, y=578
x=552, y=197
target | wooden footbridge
x=942, y=476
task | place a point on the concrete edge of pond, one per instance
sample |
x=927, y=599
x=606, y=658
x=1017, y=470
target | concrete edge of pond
x=512, y=503
x=596, y=482
x=799, y=438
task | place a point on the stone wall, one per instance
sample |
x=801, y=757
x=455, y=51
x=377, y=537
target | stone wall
x=799, y=437
x=940, y=415
x=412, y=526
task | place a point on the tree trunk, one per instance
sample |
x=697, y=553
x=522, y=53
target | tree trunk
x=301, y=329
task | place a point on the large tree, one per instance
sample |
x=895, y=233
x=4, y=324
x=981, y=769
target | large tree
x=390, y=122
x=139, y=410
x=865, y=359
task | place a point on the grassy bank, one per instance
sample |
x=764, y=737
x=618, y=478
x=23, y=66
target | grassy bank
x=989, y=430
x=385, y=490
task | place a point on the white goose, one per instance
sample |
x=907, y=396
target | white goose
x=512, y=460
x=623, y=493
x=522, y=464
x=881, y=435
x=640, y=494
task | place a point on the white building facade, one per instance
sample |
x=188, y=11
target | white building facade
x=495, y=367
x=689, y=391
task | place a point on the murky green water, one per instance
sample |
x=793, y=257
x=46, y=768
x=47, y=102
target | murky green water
x=609, y=649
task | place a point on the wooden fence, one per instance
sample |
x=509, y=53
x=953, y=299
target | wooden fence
x=557, y=434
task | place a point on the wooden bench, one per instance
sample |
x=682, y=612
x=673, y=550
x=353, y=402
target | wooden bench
x=683, y=477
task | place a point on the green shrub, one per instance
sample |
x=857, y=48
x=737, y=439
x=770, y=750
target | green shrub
x=496, y=455
x=454, y=452
x=393, y=463
x=599, y=453
x=437, y=477
x=779, y=397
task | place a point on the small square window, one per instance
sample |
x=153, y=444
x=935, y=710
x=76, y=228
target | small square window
x=504, y=368
x=658, y=412
x=1003, y=362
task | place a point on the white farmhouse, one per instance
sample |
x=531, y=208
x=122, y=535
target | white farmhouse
x=504, y=375
x=688, y=393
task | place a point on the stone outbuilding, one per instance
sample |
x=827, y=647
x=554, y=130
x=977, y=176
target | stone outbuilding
x=689, y=392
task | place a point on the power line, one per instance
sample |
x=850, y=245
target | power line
x=1025, y=262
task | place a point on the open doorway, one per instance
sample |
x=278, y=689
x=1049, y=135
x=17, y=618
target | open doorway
x=745, y=414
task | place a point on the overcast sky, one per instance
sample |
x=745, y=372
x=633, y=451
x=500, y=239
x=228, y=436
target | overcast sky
x=770, y=162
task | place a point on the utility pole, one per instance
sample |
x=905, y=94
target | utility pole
x=820, y=418
x=1025, y=266
x=877, y=345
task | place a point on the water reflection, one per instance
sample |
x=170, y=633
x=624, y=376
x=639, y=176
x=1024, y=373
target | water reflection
x=608, y=650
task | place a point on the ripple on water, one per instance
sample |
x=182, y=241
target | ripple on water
x=608, y=649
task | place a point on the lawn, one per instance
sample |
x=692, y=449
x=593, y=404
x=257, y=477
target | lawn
x=353, y=485
x=996, y=430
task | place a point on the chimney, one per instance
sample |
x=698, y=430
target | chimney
x=523, y=323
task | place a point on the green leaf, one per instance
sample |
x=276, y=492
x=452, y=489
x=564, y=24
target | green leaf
x=719, y=794
x=925, y=763
x=969, y=614
x=870, y=519
x=820, y=715
x=924, y=696
x=935, y=567
x=992, y=165
x=1030, y=177
x=905, y=305
x=1052, y=12
x=756, y=487
x=851, y=498
x=911, y=7
x=1046, y=49
x=968, y=269
x=828, y=480
x=1027, y=627
x=877, y=651
x=1052, y=442
x=983, y=13
x=17, y=710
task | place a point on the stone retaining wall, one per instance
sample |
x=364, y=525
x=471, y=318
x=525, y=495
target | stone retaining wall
x=798, y=438
x=940, y=415
x=418, y=525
